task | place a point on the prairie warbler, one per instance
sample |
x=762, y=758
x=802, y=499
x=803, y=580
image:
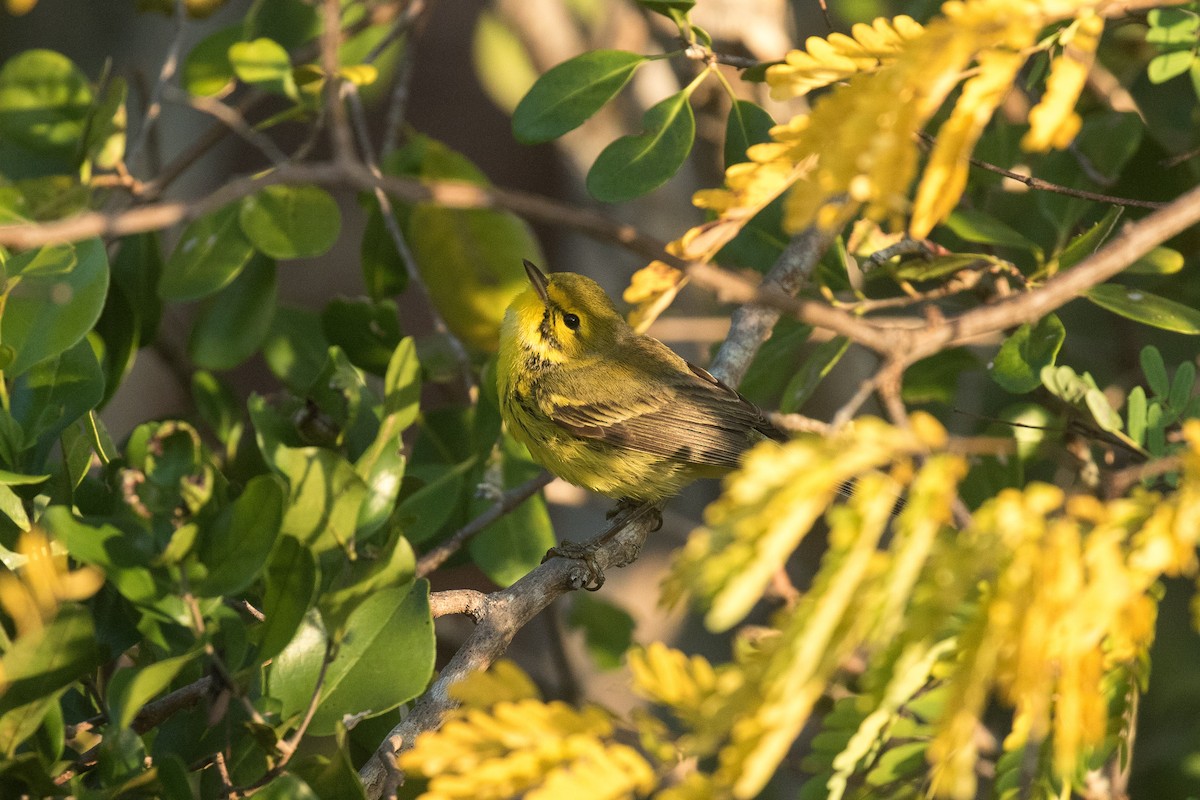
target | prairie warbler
x=607, y=408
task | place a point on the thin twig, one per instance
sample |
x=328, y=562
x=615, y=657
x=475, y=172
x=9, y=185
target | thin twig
x=288, y=747
x=165, y=74
x=231, y=118
x=416, y=282
x=335, y=110
x=1047, y=186
x=506, y=503
x=1119, y=482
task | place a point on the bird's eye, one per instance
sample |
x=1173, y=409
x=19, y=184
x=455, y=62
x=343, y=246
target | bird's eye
x=571, y=321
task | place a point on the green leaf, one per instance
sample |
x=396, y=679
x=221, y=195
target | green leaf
x=1135, y=415
x=13, y=507
x=1155, y=370
x=385, y=657
x=395, y=566
x=291, y=221
x=233, y=323
x=1018, y=365
x=132, y=687
x=52, y=395
x=823, y=359
x=976, y=226
x=470, y=258
x=210, y=253
x=634, y=165
x=367, y=331
x=607, y=629
x=235, y=546
x=324, y=498
x=936, y=379
x=263, y=63
x=291, y=580
x=133, y=309
x=1181, y=387
x=122, y=556
x=1102, y=411
x=382, y=464
x=53, y=259
x=44, y=104
x=1159, y=261
x=563, y=98
x=1146, y=308
x=215, y=403
x=43, y=662
x=748, y=124
x=45, y=314
x=516, y=543
x=207, y=70
x=1089, y=241
x=1169, y=65
x=422, y=513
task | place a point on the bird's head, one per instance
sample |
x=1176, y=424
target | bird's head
x=563, y=316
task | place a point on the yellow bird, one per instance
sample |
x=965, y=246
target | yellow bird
x=609, y=409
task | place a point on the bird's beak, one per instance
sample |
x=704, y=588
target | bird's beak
x=539, y=280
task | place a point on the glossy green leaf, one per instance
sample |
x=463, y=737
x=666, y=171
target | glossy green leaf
x=385, y=657
x=516, y=543
x=325, y=495
x=44, y=104
x=263, y=63
x=1146, y=308
x=53, y=259
x=121, y=556
x=233, y=323
x=367, y=331
x=47, y=660
x=210, y=253
x=104, y=141
x=133, y=309
x=823, y=359
x=634, y=165
x=395, y=566
x=55, y=393
x=45, y=314
x=207, y=70
x=236, y=544
x=607, y=629
x=563, y=98
x=1018, y=365
x=748, y=124
x=131, y=688
x=976, y=226
x=291, y=221
x=291, y=580
x=13, y=507
x=665, y=7
x=422, y=513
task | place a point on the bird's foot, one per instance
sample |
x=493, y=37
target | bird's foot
x=593, y=576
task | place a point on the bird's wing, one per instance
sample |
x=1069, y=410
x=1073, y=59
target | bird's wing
x=692, y=417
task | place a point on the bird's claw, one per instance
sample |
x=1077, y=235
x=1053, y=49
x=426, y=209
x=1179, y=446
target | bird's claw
x=593, y=577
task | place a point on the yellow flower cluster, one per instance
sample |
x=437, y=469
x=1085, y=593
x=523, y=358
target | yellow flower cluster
x=525, y=747
x=826, y=61
x=32, y=595
x=857, y=149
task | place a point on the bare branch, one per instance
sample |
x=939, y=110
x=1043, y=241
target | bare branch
x=506, y=503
